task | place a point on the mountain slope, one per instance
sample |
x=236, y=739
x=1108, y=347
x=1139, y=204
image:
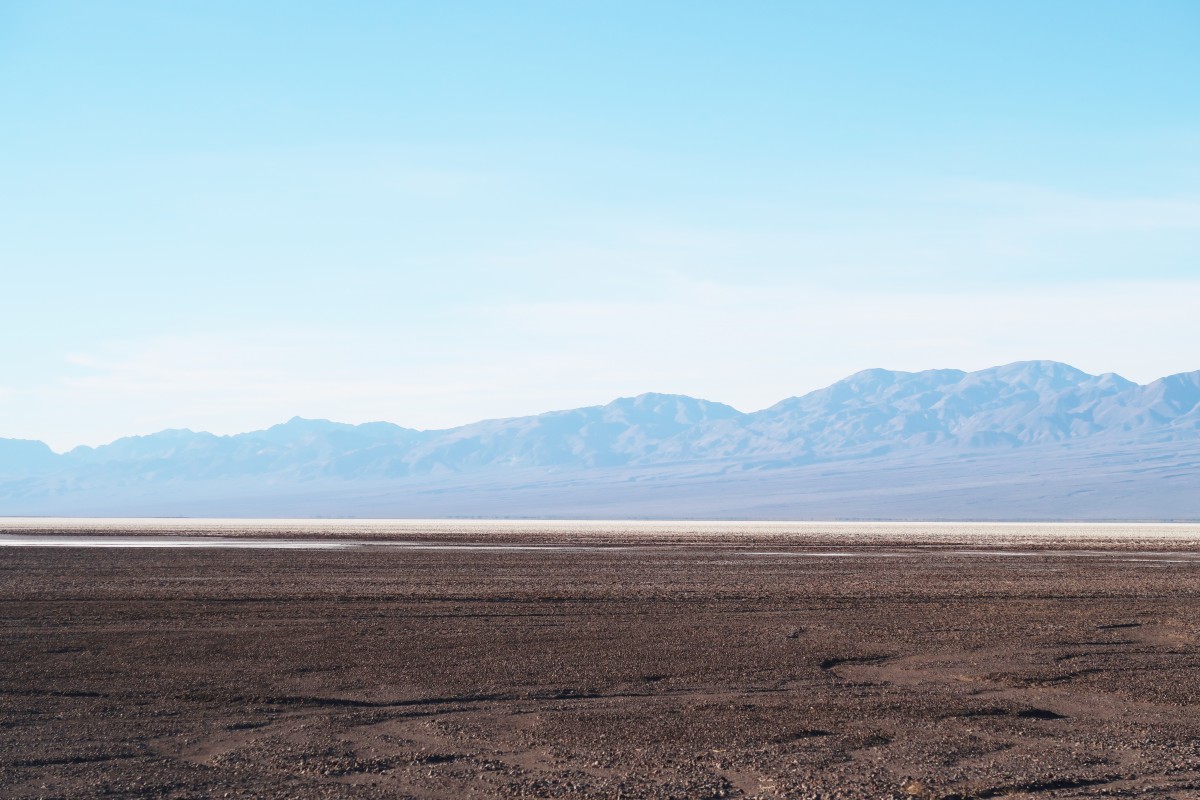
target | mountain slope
x=1022, y=413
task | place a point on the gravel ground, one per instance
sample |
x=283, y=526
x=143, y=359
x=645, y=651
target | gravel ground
x=605, y=664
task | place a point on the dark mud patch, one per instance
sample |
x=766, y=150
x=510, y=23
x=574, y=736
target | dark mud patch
x=1039, y=713
x=830, y=664
x=1032, y=787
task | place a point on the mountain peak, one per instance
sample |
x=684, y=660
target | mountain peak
x=1032, y=371
x=673, y=410
x=648, y=400
x=307, y=422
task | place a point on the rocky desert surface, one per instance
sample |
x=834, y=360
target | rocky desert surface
x=598, y=660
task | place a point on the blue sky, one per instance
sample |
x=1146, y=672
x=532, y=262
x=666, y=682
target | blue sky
x=218, y=215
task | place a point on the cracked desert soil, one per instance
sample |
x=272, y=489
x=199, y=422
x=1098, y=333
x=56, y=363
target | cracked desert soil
x=629, y=664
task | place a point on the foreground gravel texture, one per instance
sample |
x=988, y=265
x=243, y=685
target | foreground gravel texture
x=630, y=664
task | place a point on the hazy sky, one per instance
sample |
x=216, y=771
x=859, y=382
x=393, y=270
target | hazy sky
x=220, y=215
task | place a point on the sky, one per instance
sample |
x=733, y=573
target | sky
x=219, y=215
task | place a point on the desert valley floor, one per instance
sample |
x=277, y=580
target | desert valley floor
x=598, y=660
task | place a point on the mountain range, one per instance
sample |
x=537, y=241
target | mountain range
x=1034, y=439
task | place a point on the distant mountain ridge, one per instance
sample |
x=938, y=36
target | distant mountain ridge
x=934, y=414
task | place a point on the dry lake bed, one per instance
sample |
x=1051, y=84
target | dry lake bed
x=209, y=658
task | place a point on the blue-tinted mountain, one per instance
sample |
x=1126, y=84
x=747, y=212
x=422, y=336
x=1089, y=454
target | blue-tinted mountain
x=26, y=457
x=1017, y=413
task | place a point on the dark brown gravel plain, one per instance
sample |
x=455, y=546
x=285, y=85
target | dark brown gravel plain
x=627, y=665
